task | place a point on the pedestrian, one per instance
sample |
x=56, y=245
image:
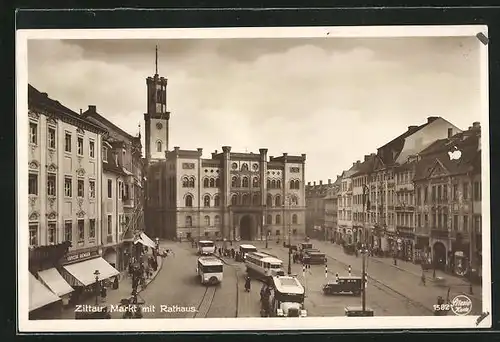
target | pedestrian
x=232, y=253
x=115, y=283
x=104, y=293
x=423, y=279
x=247, y=284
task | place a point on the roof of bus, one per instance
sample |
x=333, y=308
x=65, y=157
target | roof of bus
x=210, y=260
x=286, y=284
x=248, y=246
x=265, y=257
x=205, y=241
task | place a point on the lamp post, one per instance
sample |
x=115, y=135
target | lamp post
x=364, y=252
x=97, y=273
x=285, y=201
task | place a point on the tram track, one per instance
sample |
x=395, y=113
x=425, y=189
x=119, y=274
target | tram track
x=206, y=302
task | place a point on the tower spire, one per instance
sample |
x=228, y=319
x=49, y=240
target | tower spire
x=156, y=61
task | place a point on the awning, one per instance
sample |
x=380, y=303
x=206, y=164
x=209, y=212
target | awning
x=84, y=271
x=55, y=282
x=145, y=243
x=39, y=294
x=148, y=241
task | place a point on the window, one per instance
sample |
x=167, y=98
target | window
x=217, y=220
x=426, y=194
x=191, y=182
x=255, y=182
x=278, y=184
x=92, y=229
x=207, y=221
x=206, y=201
x=439, y=194
x=466, y=223
x=67, y=142
x=33, y=133
x=269, y=219
x=297, y=185
x=466, y=191
x=68, y=231
x=426, y=220
x=277, y=232
x=212, y=182
x=273, y=184
x=244, y=167
x=51, y=136
x=189, y=201
x=256, y=200
x=278, y=219
x=277, y=201
x=51, y=185
x=189, y=221
x=91, y=148
x=110, y=188
x=245, y=182
x=234, y=181
x=269, y=201
x=33, y=234
x=234, y=200
x=419, y=220
x=68, y=188
x=434, y=220
x=268, y=183
x=158, y=146
x=205, y=182
x=477, y=191
x=105, y=154
x=477, y=224
x=455, y=192
x=33, y=184
x=216, y=201
x=81, y=230
x=185, y=182
x=445, y=192
x=51, y=232
x=79, y=146
x=217, y=182
x=455, y=222
x=109, y=227
x=439, y=223
x=445, y=221
x=433, y=196
x=81, y=188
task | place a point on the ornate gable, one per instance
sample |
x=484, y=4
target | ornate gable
x=438, y=170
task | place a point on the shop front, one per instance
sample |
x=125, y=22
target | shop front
x=404, y=242
x=86, y=271
x=422, y=253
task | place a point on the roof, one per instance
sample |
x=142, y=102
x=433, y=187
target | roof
x=40, y=101
x=265, y=257
x=248, y=246
x=286, y=284
x=105, y=123
x=366, y=166
x=110, y=165
x=210, y=260
x=205, y=241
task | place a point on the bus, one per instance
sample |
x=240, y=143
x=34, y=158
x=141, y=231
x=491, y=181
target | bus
x=287, y=297
x=244, y=249
x=206, y=247
x=263, y=265
x=210, y=270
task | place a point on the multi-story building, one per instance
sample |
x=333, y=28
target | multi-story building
x=448, y=202
x=331, y=210
x=344, y=216
x=316, y=194
x=122, y=186
x=64, y=184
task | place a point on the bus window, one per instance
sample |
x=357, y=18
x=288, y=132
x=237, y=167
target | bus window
x=212, y=269
x=266, y=265
x=206, y=244
x=275, y=266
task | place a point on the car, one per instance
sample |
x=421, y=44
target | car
x=349, y=284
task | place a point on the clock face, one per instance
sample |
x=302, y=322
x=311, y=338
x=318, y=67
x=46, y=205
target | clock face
x=159, y=125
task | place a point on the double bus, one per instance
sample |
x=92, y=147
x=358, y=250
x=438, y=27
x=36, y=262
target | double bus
x=210, y=270
x=263, y=265
x=287, y=297
x=206, y=247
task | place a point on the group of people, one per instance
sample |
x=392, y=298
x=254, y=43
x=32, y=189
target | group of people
x=141, y=271
x=229, y=253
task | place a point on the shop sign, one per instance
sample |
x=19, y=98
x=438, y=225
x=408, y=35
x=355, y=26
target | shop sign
x=80, y=256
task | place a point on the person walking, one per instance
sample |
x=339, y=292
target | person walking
x=423, y=279
x=247, y=284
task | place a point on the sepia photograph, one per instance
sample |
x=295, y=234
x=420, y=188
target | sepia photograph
x=258, y=179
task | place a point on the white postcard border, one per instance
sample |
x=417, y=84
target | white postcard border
x=242, y=324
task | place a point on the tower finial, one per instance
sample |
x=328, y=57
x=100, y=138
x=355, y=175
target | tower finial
x=156, y=61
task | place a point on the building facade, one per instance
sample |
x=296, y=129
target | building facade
x=331, y=210
x=345, y=199
x=316, y=216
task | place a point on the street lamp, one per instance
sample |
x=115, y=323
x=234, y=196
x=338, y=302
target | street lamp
x=364, y=252
x=97, y=273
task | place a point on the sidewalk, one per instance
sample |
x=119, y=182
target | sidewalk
x=113, y=296
x=415, y=270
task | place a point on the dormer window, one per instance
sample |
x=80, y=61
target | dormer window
x=105, y=154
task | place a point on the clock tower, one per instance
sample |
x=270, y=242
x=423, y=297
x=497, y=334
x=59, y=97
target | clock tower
x=157, y=117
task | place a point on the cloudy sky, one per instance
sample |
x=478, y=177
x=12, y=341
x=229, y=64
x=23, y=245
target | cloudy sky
x=333, y=99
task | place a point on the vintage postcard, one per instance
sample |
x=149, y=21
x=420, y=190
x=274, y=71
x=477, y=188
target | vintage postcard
x=253, y=179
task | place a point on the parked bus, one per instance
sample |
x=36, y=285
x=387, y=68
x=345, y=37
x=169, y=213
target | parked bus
x=262, y=265
x=206, y=247
x=245, y=249
x=210, y=270
x=287, y=297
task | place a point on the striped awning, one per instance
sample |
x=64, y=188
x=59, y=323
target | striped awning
x=39, y=294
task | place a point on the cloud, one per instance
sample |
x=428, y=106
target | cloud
x=334, y=100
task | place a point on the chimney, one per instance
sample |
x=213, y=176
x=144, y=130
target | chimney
x=271, y=157
x=412, y=127
x=431, y=119
x=215, y=151
x=308, y=183
x=358, y=162
x=353, y=164
x=329, y=181
x=470, y=127
x=373, y=154
x=92, y=109
x=476, y=125
x=81, y=111
x=366, y=157
x=45, y=94
x=314, y=183
x=450, y=132
x=320, y=182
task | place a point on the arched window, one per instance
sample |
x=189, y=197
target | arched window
x=206, y=201
x=294, y=219
x=212, y=183
x=268, y=183
x=191, y=182
x=255, y=200
x=278, y=184
x=255, y=182
x=245, y=182
x=292, y=184
x=269, y=201
x=244, y=167
x=234, y=181
x=216, y=201
x=278, y=219
x=246, y=199
x=297, y=184
x=273, y=184
x=295, y=200
x=207, y=221
x=217, y=182
x=185, y=182
x=205, y=182
x=189, y=201
x=158, y=146
x=217, y=220
x=269, y=219
x=277, y=201
x=189, y=221
x=234, y=200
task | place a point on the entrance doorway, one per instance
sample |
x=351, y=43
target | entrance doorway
x=439, y=255
x=246, y=228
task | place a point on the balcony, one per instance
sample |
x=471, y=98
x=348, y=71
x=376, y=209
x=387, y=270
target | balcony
x=440, y=233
